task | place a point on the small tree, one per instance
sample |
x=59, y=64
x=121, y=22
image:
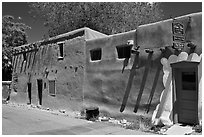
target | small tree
x=13, y=35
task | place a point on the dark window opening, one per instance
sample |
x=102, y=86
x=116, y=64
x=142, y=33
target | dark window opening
x=188, y=77
x=45, y=86
x=124, y=51
x=189, y=80
x=61, y=49
x=52, y=87
x=96, y=54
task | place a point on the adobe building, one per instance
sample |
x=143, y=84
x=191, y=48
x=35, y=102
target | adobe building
x=51, y=72
x=154, y=70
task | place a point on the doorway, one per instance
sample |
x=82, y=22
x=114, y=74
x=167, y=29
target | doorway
x=185, y=95
x=40, y=87
x=29, y=92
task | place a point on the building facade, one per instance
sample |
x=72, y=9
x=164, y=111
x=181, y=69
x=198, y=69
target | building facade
x=154, y=69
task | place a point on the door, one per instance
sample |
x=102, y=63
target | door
x=40, y=87
x=186, y=95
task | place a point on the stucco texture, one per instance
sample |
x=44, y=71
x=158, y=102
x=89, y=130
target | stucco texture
x=81, y=82
x=105, y=84
x=67, y=73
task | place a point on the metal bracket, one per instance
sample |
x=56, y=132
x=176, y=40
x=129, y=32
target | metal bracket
x=162, y=49
x=191, y=45
x=149, y=51
x=135, y=50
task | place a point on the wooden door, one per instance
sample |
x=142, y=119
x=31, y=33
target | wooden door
x=187, y=95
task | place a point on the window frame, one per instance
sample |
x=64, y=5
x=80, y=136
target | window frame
x=52, y=94
x=119, y=48
x=91, y=52
x=61, y=50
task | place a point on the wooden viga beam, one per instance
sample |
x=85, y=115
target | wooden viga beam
x=130, y=80
x=144, y=78
x=23, y=49
x=27, y=48
x=133, y=72
x=13, y=51
x=155, y=82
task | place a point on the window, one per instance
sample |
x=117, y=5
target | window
x=189, y=80
x=52, y=87
x=61, y=50
x=96, y=54
x=45, y=86
x=124, y=51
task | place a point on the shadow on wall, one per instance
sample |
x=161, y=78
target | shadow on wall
x=132, y=74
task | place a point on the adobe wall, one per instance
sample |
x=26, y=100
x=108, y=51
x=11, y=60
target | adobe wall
x=105, y=84
x=44, y=64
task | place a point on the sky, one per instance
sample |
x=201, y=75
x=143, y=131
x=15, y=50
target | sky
x=21, y=13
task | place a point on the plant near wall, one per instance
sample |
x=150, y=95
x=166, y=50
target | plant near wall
x=105, y=17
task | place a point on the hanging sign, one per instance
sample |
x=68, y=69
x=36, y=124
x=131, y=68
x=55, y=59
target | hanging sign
x=178, y=35
x=178, y=46
x=178, y=28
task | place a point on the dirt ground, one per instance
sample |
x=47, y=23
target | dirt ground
x=18, y=119
x=22, y=119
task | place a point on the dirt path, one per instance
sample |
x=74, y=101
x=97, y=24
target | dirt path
x=21, y=120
